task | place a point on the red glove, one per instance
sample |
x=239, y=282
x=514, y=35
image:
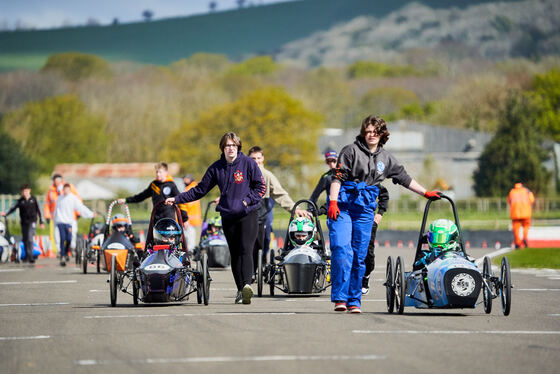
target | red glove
x=333, y=212
x=433, y=195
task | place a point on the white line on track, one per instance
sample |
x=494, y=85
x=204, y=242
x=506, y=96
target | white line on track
x=457, y=332
x=555, y=315
x=223, y=289
x=537, y=289
x=38, y=282
x=218, y=359
x=9, y=270
x=329, y=301
x=256, y=314
x=24, y=337
x=34, y=304
x=97, y=290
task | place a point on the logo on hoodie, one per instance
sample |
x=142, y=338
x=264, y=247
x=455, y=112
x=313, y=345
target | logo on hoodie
x=238, y=176
x=380, y=167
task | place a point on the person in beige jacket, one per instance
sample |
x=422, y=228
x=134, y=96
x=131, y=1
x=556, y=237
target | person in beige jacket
x=274, y=191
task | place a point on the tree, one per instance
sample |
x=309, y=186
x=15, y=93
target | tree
x=76, y=66
x=268, y=117
x=57, y=130
x=212, y=5
x=147, y=14
x=16, y=167
x=546, y=95
x=514, y=154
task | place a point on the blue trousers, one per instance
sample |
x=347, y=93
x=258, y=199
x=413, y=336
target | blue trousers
x=65, y=232
x=349, y=236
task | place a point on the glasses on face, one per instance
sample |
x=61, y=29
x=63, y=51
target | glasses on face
x=373, y=133
x=230, y=146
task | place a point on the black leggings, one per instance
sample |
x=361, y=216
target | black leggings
x=241, y=234
x=370, y=257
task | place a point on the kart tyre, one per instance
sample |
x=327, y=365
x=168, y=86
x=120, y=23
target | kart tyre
x=259, y=273
x=84, y=260
x=271, y=271
x=389, y=286
x=113, y=281
x=505, y=290
x=487, y=285
x=205, y=278
x=135, y=292
x=98, y=257
x=399, y=285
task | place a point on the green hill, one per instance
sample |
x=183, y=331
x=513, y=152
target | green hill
x=238, y=33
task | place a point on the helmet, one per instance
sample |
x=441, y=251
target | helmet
x=118, y=220
x=215, y=221
x=2, y=228
x=167, y=231
x=301, y=226
x=442, y=234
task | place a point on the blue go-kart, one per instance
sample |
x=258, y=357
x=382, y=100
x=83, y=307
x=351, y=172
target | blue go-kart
x=451, y=280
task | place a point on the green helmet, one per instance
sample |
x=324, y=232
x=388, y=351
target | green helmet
x=442, y=234
x=301, y=231
x=215, y=221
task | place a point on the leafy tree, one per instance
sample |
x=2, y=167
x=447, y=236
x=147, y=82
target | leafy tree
x=58, y=130
x=16, y=167
x=76, y=66
x=546, y=95
x=147, y=14
x=514, y=154
x=364, y=69
x=255, y=66
x=385, y=100
x=268, y=117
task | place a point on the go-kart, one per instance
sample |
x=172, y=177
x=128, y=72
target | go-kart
x=213, y=244
x=9, y=248
x=449, y=280
x=88, y=247
x=164, y=275
x=300, y=270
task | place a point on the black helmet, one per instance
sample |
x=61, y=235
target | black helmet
x=167, y=231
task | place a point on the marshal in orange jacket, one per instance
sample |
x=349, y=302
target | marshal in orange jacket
x=520, y=201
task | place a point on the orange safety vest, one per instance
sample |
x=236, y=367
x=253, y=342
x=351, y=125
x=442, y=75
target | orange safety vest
x=193, y=208
x=520, y=201
x=50, y=201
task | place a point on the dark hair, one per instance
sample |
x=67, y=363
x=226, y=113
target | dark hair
x=379, y=125
x=161, y=165
x=25, y=186
x=255, y=149
x=66, y=185
x=233, y=137
x=56, y=176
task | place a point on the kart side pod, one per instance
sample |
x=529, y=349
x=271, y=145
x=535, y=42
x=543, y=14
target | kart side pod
x=301, y=267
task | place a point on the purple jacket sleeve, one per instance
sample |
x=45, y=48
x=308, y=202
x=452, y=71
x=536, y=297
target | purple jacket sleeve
x=257, y=187
x=207, y=182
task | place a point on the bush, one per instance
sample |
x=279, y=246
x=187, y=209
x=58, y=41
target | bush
x=76, y=66
x=365, y=69
x=260, y=65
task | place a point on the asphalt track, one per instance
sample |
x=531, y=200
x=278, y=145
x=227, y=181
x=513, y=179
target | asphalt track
x=58, y=320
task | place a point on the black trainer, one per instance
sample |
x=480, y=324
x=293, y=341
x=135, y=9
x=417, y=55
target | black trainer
x=365, y=285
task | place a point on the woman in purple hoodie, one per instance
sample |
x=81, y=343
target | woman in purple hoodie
x=241, y=187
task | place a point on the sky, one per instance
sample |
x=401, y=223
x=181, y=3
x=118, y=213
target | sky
x=41, y=14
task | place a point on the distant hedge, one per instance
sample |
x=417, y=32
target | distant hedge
x=76, y=66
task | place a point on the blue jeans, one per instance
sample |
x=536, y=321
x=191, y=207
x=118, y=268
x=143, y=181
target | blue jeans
x=349, y=236
x=65, y=232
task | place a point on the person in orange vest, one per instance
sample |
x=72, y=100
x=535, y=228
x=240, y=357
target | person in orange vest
x=520, y=200
x=194, y=223
x=53, y=193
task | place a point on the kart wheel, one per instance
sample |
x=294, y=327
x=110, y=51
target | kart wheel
x=505, y=281
x=487, y=285
x=389, y=287
x=259, y=273
x=135, y=292
x=98, y=256
x=399, y=285
x=79, y=250
x=113, y=281
x=271, y=268
x=84, y=260
x=205, y=278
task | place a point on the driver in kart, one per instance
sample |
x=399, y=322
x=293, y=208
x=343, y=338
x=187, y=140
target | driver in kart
x=301, y=232
x=120, y=223
x=442, y=237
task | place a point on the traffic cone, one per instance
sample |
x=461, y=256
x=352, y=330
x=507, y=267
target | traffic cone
x=387, y=244
x=484, y=244
x=399, y=244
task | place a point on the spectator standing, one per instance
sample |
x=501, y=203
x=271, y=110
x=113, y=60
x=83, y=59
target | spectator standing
x=65, y=219
x=194, y=222
x=28, y=213
x=520, y=200
x=241, y=187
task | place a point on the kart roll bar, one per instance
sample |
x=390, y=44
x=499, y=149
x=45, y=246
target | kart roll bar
x=425, y=218
x=317, y=222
